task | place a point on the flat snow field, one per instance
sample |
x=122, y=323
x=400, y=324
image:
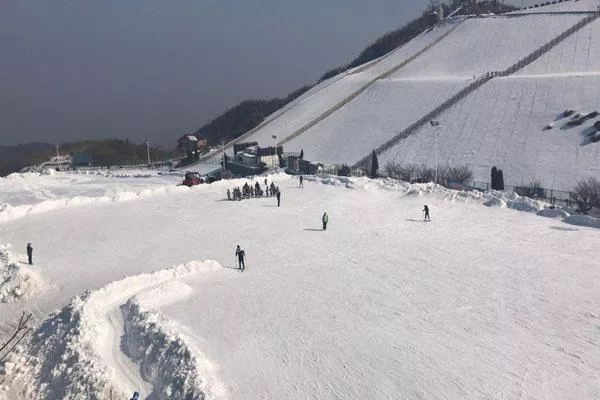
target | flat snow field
x=480, y=303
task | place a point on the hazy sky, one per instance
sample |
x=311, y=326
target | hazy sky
x=81, y=69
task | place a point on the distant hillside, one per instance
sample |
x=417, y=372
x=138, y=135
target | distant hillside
x=250, y=113
x=14, y=158
x=109, y=152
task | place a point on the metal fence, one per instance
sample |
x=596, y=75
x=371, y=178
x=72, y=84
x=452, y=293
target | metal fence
x=552, y=196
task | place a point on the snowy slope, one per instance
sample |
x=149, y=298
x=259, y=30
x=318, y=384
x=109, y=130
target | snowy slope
x=382, y=305
x=480, y=45
x=577, y=53
x=502, y=124
x=564, y=6
x=375, y=116
x=329, y=93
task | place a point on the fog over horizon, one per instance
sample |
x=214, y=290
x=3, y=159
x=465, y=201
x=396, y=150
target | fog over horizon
x=75, y=71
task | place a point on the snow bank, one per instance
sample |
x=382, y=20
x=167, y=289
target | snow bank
x=65, y=357
x=9, y=212
x=166, y=358
x=17, y=282
x=583, y=220
x=553, y=213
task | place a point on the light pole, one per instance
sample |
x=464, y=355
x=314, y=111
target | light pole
x=148, y=150
x=436, y=124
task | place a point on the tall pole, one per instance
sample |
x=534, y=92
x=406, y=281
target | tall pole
x=148, y=150
x=223, y=150
x=436, y=156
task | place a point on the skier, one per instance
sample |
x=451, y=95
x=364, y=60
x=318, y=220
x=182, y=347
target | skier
x=325, y=220
x=30, y=253
x=426, y=209
x=278, y=197
x=301, y=181
x=240, y=255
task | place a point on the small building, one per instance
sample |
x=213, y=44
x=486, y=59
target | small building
x=191, y=143
x=81, y=159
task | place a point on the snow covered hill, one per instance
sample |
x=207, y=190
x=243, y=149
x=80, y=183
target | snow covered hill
x=144, y=294
x=345, y=118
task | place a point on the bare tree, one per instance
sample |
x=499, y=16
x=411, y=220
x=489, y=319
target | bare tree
x=19, y=333
x=587, y=195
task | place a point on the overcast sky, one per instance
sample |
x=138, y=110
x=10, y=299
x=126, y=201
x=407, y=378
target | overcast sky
x=77, y=69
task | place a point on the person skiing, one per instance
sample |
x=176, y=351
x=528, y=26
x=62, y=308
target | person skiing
x=278, y=197
x=240, y=255
x=426, y=210
x=301, y=181
x=325, y=220
x=30, y=253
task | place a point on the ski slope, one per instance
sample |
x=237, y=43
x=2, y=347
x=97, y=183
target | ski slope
x=375, y=116
x=382, y=305
x=480, y=45
x=330, y=93
x=502, y=124
x=577, y=53
x=562, y=7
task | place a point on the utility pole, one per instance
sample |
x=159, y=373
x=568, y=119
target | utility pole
x=436, y=124
x=223, y=150
x=148, y=150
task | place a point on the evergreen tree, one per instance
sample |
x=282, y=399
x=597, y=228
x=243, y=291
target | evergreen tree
x=374, y=165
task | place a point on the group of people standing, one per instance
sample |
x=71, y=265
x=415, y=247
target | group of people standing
x=247, y=191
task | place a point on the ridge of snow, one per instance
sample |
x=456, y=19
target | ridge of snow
x=9, y=212
x=66, y=357
x=17, y=282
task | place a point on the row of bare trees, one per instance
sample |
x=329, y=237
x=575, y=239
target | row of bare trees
x=423, y=173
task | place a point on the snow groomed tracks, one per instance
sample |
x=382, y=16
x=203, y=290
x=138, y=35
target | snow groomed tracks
x=364, y=162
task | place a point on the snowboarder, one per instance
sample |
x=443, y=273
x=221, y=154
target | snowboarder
x=30, y=253
x=426, y=210
x=325, y=220
x=301, y=181
x=240, y=255
x=278, y=197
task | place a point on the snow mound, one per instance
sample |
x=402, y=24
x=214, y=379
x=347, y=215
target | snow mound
x=512, y=200
x=17, y=282
x=176, y=369
x=9, y=212
x=65, y=357
x=583, y=220
x=553, y=213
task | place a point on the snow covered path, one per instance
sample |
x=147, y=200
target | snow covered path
x=481, y=302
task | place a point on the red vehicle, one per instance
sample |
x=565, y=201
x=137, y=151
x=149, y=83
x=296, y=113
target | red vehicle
x=192, y=178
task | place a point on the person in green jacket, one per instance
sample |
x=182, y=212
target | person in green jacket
x=325, y=219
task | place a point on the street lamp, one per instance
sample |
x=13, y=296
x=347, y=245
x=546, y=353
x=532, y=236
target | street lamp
x=436, y=124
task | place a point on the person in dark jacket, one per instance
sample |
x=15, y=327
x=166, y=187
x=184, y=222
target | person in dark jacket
x=240, y=255
x=426, y=210
x=301, y=181
x=30, y=253
x=278, y=197
x=325, y=220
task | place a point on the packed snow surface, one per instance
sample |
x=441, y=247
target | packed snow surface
x=18, y=281
x=502, y=124
x=481, y=302
x=577, y=53
x=480, y=45
x=375, y=116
